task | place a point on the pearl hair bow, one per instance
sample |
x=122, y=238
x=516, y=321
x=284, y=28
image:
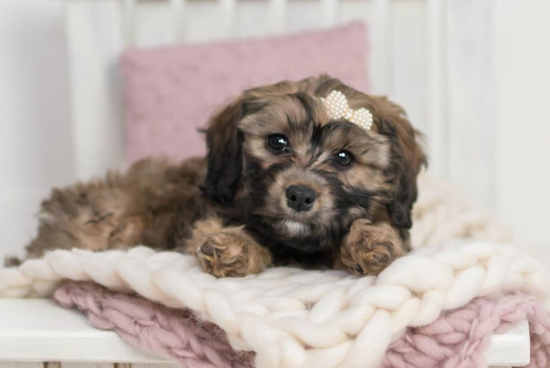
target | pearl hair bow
x=338, y=108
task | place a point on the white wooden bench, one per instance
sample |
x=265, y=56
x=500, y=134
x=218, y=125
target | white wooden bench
x=36, y=333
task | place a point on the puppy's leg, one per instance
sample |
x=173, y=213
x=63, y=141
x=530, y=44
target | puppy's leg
x=89, y=216
x=369, y=248
x=227, y=251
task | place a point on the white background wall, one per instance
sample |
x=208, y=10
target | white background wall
x=522, y=54
x=35, y=135
x=36, y=149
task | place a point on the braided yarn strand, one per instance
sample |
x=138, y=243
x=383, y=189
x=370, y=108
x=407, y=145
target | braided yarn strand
x=457, y=339
x=293, y=317
x=171, y=333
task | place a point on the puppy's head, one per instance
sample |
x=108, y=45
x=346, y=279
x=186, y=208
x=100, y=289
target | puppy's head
x=301, y=177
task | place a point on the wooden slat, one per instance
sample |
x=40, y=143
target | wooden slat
x=20, y=365
x=330, y=12
x=65, y=335
x=472, y=114
x=409, y=53
x=278, y=16
x=511, y=349
x=437, y=88
x=382, y=47
x=229, y=13
x=87, y=365
x=128, y=22
x=178, y=9
x=95, y=41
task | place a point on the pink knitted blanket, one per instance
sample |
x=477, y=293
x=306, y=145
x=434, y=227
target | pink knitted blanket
x=457, y=339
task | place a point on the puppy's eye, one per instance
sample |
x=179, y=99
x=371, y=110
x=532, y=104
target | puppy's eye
x=277, y=142
x=344, y=158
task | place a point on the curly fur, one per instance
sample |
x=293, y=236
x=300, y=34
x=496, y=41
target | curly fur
x=230, y=208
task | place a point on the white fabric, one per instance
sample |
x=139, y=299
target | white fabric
x=297, y=318
x=442, y=213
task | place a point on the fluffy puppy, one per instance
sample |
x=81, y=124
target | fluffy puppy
x=283, y=183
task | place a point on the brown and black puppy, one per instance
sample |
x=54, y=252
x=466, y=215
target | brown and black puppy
x=283, y=183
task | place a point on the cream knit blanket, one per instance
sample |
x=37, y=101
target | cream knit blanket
x=297, y=318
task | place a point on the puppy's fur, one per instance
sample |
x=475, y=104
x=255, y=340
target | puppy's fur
x=233, y=211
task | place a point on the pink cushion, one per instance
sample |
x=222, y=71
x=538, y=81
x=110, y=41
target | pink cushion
x=171, y=92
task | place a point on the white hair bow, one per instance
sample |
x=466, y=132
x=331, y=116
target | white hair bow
x=338, y=108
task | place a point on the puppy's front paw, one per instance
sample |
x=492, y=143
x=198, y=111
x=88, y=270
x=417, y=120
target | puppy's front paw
x=230, y=255
x=369, y=249
x=222, y=255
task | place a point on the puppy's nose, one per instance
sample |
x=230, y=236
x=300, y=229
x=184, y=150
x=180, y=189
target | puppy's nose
x=300, y=198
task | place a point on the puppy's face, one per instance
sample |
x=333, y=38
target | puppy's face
x=303, y=177
x=309, y=176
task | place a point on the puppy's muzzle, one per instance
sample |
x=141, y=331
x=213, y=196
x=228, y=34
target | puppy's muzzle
x=300, y=198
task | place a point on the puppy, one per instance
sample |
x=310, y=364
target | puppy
x=284, y=182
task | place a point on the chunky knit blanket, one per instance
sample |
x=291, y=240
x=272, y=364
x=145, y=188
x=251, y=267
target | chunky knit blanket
x=457, y=339
x=296, y=318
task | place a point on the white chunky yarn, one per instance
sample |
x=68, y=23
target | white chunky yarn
x=297, y=318
x=442, y=213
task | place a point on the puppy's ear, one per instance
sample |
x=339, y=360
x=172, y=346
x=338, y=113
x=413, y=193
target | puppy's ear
x=224, y=140
x=408, y=158
x=224, y=143
x=400, y=207
x=224, y=158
